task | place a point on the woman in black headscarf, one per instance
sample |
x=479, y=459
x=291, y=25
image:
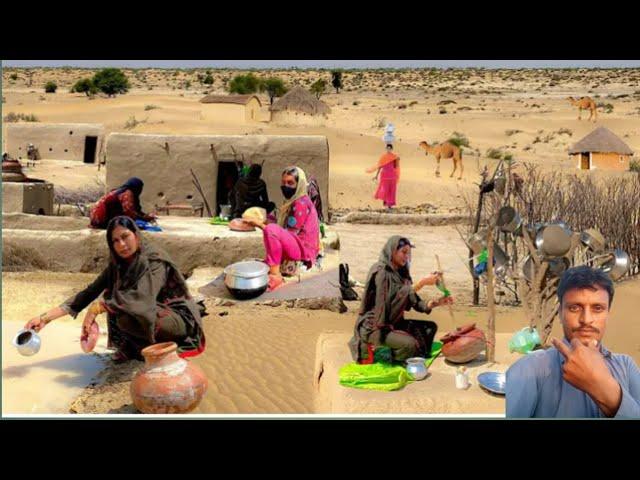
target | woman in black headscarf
x=124, y=200
x=389, y=292
x=250, y=191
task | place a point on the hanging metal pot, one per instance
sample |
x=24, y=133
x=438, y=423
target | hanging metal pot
x=477, y=242
x=508, y=220
x=618, y=265
x=553, y=241
x=593, y=240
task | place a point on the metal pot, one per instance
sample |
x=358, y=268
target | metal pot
x=416, y=368
x=618, y=265
x=593, y=240
x=554, y=240
x=500, y=184
x=246, y=279
x=477, y=242
x=27, y=342
x=557, y=266
x=501, y=261
x=225, y=211
x=508, y=219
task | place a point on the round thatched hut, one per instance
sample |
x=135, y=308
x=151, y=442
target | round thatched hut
x=298, y=106
x=603, y=150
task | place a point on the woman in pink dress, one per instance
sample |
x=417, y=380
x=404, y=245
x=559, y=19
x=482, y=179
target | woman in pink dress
x=388, y=168
x=296, y=236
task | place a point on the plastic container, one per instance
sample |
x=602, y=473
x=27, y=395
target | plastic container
x=462, y=378
x=524, y=341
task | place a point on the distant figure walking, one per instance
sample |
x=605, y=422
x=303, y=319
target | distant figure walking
x=445, y=150
x=388, y=172
x=585, y=103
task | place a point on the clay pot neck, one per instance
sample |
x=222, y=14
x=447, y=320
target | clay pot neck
x=160, y=354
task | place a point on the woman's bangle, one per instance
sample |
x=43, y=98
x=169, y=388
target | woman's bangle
x=97, y=308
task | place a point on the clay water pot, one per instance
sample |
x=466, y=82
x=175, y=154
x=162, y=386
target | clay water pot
x=167, y=383
x=463, y=344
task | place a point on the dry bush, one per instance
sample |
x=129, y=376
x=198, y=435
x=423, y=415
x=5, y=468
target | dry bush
x=80, y=197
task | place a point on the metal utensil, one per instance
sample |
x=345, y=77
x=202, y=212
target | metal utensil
x=593, y=240
x=417, y=368
x=618, y=265
x=508, y=219
x=246, y=279
x=553, y=241
x=494, y=382
x=27, y=342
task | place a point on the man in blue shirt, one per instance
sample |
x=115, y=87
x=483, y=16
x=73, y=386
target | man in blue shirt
x=577, y=377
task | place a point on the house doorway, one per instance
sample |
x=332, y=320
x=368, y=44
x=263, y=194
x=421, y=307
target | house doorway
x=228, y=174
x=585, y=164
x=90, y=144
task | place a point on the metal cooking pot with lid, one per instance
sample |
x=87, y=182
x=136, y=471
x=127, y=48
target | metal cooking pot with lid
x=246, y=279
x=593, y=240
x=508, y=219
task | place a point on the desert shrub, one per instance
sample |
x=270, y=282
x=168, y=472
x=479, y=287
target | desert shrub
x=634, y=165
x=565, y=131
x=606, y=107
x=318, y=88
x=336, y=80
x=85, y=86
x=508, y=133
x=494, y=153
x=402, y=106
x=356, y=103
x=442, y=111
x=459, y=140
x=414, y=102
x=150, y=107
x=50, y=87
x=244, y=84
x=132, y=123
x=445, y=102
x=16, y=117
x=111, y=81
x=13, y=76
x=274, y=87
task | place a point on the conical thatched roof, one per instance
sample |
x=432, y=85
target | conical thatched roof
x=300, y=100
x=601, y=140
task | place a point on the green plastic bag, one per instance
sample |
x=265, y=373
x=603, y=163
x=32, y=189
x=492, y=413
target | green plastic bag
x=376, y=376
x=218, y=221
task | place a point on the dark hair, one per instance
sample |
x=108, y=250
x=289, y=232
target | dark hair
x=293, y=171
x=255, y=170
x=389, y=145
x=403, y=242
x=120, y=221
x=585, y=277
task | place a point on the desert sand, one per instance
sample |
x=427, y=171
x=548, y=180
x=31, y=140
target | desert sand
x=260, y=359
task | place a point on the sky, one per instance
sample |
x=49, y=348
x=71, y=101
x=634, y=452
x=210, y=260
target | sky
x=348, y=64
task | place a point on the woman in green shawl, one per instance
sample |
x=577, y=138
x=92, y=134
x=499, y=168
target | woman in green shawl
x=389, y=292
x=145, y=296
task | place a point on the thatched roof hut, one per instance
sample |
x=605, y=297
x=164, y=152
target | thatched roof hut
x=601, y=149
x=300, y=100
x=601, y=140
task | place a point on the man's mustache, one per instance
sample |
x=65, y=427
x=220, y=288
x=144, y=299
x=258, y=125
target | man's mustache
x=586, y=329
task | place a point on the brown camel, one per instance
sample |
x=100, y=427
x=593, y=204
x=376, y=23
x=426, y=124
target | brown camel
x=445, y=150
x=585, y=103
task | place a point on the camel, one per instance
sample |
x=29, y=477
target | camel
x=445, y=150
x=585, y=103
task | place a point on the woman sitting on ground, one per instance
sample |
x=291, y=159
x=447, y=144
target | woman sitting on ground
x=250, y=191
x=296, y=236
x=388, y=294
x=124, y=200
x=145, y=297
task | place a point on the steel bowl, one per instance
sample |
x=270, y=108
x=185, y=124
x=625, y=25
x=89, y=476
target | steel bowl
x=618, y=265
x=27, y=342
x=508, y=219
x=494, y=382
x=554, y=240
x=477, y=242
x=246, y=279
x=593, y=240
x=417, y=368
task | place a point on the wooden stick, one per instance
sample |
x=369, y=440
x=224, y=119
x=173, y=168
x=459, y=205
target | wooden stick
x=196, y=182
x=453, y=318
x=491, y=324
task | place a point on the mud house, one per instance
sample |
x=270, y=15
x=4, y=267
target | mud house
x=164, y=162
x=601, y=149
x=238, y=108
x=299, y=107
x=82, y=142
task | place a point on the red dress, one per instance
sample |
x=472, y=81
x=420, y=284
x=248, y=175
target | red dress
x=112, y=205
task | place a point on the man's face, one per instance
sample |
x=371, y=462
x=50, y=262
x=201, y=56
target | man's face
x=584, y=313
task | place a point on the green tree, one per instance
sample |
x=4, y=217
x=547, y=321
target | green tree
x=318, y=88
x=208, y=79
x=244, y=84
x=111, y=81
x=336, y=79
x=85, y=86
x=50, y=87
x=274, y=87
x=14, y=76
